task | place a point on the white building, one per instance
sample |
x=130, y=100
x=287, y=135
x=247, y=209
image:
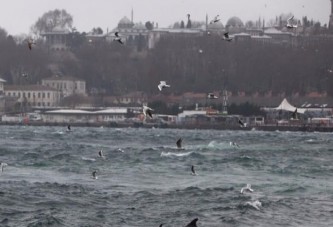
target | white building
x=2, y=100
x=2, y=82
x=66, y=85
x=57, y=39
x=33, y=95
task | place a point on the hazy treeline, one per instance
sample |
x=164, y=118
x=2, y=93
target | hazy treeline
x=188, y=63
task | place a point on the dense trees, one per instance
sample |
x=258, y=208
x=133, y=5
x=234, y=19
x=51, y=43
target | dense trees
x=187, y=62
x=52, y=19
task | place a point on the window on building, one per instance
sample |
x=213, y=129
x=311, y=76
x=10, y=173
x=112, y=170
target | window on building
x=38, y=104
x=14, y=94
x=48, y=95
x=19, y=95
x=48, y=104
x=43, y=95
x=8, y=93
x=38, y=94
x=28, y=95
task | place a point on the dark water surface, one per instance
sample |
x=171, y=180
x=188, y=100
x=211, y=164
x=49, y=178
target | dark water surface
x=145, y=181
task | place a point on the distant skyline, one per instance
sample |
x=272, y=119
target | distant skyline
x=17, y=16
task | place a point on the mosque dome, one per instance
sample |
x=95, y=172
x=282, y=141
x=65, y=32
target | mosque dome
x=235, y=22
x=125, y=23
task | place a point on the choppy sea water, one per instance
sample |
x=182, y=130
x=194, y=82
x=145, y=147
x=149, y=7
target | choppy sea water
x=145, y=181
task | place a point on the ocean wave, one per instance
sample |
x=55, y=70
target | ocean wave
x=173, y=154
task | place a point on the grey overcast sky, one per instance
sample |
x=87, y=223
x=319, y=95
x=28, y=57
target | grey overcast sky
x=17, y=16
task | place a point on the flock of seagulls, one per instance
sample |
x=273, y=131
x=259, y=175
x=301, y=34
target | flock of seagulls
x=147, y=111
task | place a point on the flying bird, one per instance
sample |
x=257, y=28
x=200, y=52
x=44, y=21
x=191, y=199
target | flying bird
x=193, y=223
x=241, y=123
x=246, y=189
x=179, y=143
x=216, y=19
x=193, y=171
x=2, y=165
x=212, y=96
x=94, y=174
x=30, y=43
x=162, y=85
x=233, y=144
x=68, y=127
x=118, y=38
x=100, y=154
x=147, y=111
x=226, y=37
x=290, y=24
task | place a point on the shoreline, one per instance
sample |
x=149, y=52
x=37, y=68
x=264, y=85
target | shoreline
x=293, y=128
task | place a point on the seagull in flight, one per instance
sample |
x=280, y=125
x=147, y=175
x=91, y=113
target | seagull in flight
x=2, y=165
x=25, y=75
x=162, y=85
x=212, y=96
x=216, y=19
x=226, y=37
x=193, y=171
x=100, y=154
x=118, y=38
x=289, y=23
x=241, y=123
x=30, y=43
x=233, y=144
x=94, y=174
x=247, y=188
x=147, y=111
x=179, y=143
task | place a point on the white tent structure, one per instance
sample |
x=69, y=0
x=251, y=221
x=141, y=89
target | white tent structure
x=285, y=105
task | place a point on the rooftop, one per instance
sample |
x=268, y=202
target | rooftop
x=62, y=78
x=28, y=88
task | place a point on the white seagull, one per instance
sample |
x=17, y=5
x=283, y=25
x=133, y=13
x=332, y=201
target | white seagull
x=147, y=111
x=162, y=85
x=226, y=37
x=247, y=188
x=212, y=96
x=233, y=144
x=216, y=19
x=290, y=24
x=2, y=165
x=118, y=38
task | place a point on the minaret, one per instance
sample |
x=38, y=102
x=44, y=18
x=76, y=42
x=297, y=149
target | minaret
x=132, y=16
x=330, y=24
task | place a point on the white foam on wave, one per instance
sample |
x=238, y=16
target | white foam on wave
x=170, y=154
x=88, y=159
x=255, y=204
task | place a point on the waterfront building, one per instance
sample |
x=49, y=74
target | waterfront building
x=33, y=95
x=66, y=85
